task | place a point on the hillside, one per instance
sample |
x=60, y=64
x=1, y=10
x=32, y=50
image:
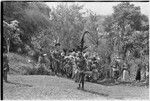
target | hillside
x=19, y=64
x=52, y=87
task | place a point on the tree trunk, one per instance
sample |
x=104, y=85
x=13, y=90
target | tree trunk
x=8, y=45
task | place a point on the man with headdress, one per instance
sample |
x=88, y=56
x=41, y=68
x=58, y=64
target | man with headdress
x=81, y=65
x=81, y=62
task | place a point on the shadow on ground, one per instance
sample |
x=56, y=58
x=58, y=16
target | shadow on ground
x=19, y=84
x=107, y=83
x=112, y=83
x=96, y=93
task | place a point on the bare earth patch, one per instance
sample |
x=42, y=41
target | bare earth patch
x=33, y=87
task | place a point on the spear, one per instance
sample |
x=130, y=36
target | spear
x=82, y=42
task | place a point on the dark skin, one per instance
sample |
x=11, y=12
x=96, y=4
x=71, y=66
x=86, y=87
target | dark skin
x=82, y=69
x=6, y=67
x=138, y=75
x=56, y=62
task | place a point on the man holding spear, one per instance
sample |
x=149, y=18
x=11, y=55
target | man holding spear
x=81, y=64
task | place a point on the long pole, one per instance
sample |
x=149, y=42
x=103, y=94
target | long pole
x=82, y=41
x=8, y=45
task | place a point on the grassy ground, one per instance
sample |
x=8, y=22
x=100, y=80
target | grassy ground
x=52, y=87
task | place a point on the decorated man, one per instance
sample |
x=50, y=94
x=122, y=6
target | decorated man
x=81, y=65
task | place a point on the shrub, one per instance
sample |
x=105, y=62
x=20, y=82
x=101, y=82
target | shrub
x=39, y=71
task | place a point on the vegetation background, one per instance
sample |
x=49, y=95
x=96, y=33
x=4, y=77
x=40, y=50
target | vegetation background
x=125, y=33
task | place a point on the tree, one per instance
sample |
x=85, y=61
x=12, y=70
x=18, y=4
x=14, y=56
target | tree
x=32, y=17
x=127, y=32
x=94, y=36
x=11, y=32
x=107, y=23
x=125, y=20
x=45, y=41
x=126, y=13
x=68, y=24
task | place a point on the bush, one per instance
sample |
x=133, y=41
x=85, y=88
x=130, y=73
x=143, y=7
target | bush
x=39, y=71
x=32, y=71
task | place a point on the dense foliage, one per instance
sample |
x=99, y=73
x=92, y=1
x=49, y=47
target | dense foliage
x=124, y=33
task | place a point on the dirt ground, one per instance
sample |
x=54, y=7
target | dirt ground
x=23, y=87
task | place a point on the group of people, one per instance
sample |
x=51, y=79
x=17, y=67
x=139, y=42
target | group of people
x=76, y=65
x=81, y=64
x=73, y=65
x=120, y=70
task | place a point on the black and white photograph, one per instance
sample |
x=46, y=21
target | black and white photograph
x=75, y=50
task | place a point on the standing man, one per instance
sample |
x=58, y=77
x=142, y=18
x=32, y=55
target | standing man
x=5, y=67
x=46, y=63
x=56, y=62
x=125, y=72
x=138, y=73
x=147, y=75
x=75, y=70
x=81, y=65
x=115, y=69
